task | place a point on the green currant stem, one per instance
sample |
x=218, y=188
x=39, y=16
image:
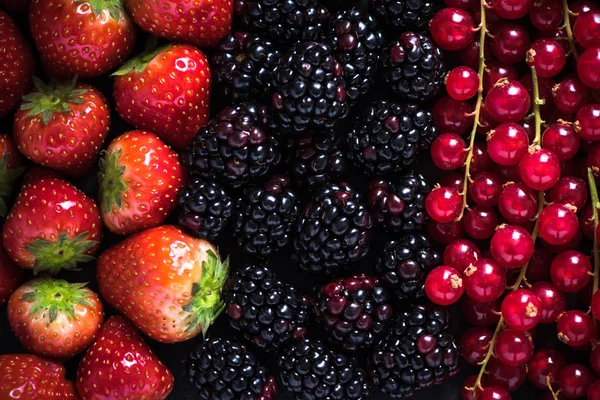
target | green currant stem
x=550, y=389
x=566, y=14
x=595, y=206
x=537, y=102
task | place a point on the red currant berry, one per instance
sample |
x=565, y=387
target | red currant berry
x=449, y=151
x=588, y=67
x=481, y=161
x=464, y=4
x=586, y=221
x=570, y=95
x=553, y=301
x=521, y=310
x=595, y=358
x=546, y=15
x=587, y=29
x=507, y=144
x=474, y=344
x=452, y=28
x=480, y=314
x=511, y=246
x=443, y=204
x=484, y=280
x=494, y=393
x=510, y=174
x=570, y=271
x=569, y=190
x=547, y=56
x=587, y=122
x=510, y=43
x=539, y=265
x=485, y=189
x=575, y=328
x=557, y=224
x=486, y=123
x=461, y=253
x=593, y=160
x=453, y=116
x=562, y=140
x=574, y=381
x=453, y=180
x=480, y=222
x=540, y=169
x=580, y=7
x=444, y=285
x=593, y=392
x=595, y=305
x=513, y=347
x=512, y=9
x=545, y=364
x=545, y=86
x=510, y=378
x=462, y=83
x=507, y=101
x=467, y=392
x=559, y=35
x=497, y=70
x=469, y=56
x=570, y=245
x=517, y=203
x=445, y=232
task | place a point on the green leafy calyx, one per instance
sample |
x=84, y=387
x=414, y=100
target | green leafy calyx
x=7, y=178
x=139, y=63
x=114, y=7
x=110, y=179
x=63, y=253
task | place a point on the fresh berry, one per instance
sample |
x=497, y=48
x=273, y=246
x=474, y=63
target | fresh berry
x=507, y=144
x=449, y=151
x=10, y=169
x=484, y=280
x=452, y=29
x=570, y=271
x=462, y=83
x=540, y=169
x=507, y=101
x=403, y=15
x=513, y=348
x=444, y=285
x=443, y=204
x=544, y=367
x=553, y=301
x=586, y=122
x=517, y=203
x=587, y=67
x=510, y=43
x=547, y=57
x=570, y=95
x=574, y=380
x=521, y=310
x=587, y=29
x=511, y=246
x=474, y=344
x=461, y=253
x=558, y=224
x=575, y=328
x=512, y=9
x=562, y=140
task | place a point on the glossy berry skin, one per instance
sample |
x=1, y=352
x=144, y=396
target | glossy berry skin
x=452, y=28
x=449, y=151
x=510, y=43
x=446, y=232
x=570, y=271
x=453, y=180
x=484, y=280
x=595, y=307
x=570, y=95
x=462, y=83
x=469, y=56
x=593, y=392
x=461, y=253
x=521, y=310
x=453, y=116
x=443, y=204
x=517, y=203
x=588, y=69
x=570, y=190
x=587, y=29
x=444, y=285
x=562, y=140
x=575, y=328
x=511, y=9
x=557, y=224
x=513, y=348
x=587, y=122
x=496, y=70
x=553, y=301
x=480, y=314
x=507, y=101
x=546, y=15
x=510, y=378
x=540, y=170
x=480, y=222
x=511, y=246
x=474, y=344
x=485, y=189
x=545, y=364
x=547, y=56
x=507, y=144
x=574, y=381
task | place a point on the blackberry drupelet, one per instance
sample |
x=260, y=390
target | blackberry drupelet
x=266, y=311
x=312, y=371
x=404, y=263
x=283, y=21
x=354, y=311
x=332, y=231
x=315, y=159
x=403, y=15
x=223, y=369
x=399, y=205
x=236, y=147
x=243, y=67
x=357, y=42
x=388, y=136
x=205, y=208
x=309, y=91
x=265, y=217
x=416, y=353
x=414, y=67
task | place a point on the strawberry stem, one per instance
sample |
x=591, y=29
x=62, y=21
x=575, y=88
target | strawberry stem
x=62, y=253
x=110, y=180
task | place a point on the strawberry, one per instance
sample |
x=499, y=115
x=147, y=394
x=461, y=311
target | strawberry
x=121, y=366
x=139, y=179
x=52, y=226
x=10, y=169
x=62, y=126
x=78, y=37
x=165, y=281
x=16, y=65
x=29, y=377
x=10, y=276
x=55, y=318
x=166, y=92
x=201, y=23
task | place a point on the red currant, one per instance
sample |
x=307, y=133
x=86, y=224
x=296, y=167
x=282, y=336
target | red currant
x=453, y=180
x=462, y=83
x=486, y=123
x=545, y=86
x=481, y=161
x=580, y=7
x=557, y=224
x=445, y=232
x=570, y=271
x=510, y=174
x=443, y=204
x=453, y=116
x=466, y=391
x=480, y=314
x=507, y=101
x=485, y=189
x=464, y=4
x=547, y=56
x=553, y=301
x=569, y=190
x=562, y=140
x=517, y=203
x=545, y=365
x=507, y=144
x=510, y=43
x=574, y=381
x=512, y=9
x=593, y=159
x=510, y=378
x=469, y=56
x=593, y=392
x=444, y=285
x=546, y=15
x=587, y=29
x=587, y=123
x=586, y=221
x=570, y=95
x=480, y=222
x=511, y=246
x=539, y=265
x=474, y=344
x=513, y=347
x=448, y=151
x=559, y=35
x=588, y=67
x=521, y=309
x=540, y=169
x=452, y=28
x=595, y=358
x=484, y=280
x=497, y=70
x=575, y=328
x=494, y=393
x=595, y=305
x=461, y=253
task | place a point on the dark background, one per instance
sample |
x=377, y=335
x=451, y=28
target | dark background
x=173, y=355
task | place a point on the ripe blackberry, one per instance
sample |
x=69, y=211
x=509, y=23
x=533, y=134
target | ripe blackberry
x=388, y=136
x=205, y=208
x=416, y=353
x=399, y=205
x=309, y=92
x=265, y=217
x=283, y=21
x=312, y=371
x=357, y=42
x=235, y=147
x=414, y=67
x=224, y=369
x=267, y=312
x=404, y=14
x=354, y=311
x=333, y=230
x=404, y=263
x=243, y=67
x=315, y=159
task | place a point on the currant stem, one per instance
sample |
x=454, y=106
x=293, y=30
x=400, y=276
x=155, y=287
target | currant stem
x=595, y=206
x=536, y=108
x=566, y=14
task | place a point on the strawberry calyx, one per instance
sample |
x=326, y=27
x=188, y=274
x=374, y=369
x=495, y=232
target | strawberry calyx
x=7, y=178
x=139, y=63
x=114, y=7
x=206, y=303
x=62, y=253
x=55, y=97
x=54, y=296
x=110, y=178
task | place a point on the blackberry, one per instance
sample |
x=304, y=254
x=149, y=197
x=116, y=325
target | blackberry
x=205, y=208
x=416, y=353
x=243, y=67
x=404, y=263
x=222, y=369
x=312, y=371
x=333, y=230
x=267, y=312
x=357, y=42
x=235, y=147
x=403, y=15
x=399, y=205
x=309, y=92
x=315, y=159
x=413, y=66
x=388, y=136
x=354, y=311
x=265, y=217
x=282, y=21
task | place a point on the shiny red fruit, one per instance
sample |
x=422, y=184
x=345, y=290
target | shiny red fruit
x=444, y=285
x=521, y=310
x=484, y=280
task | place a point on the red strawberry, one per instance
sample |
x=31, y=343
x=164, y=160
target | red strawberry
x=55, y=318
x=52, y=226
x=201, y=23
x=166, y=92
x=121, y=366
x=29, y=377
x=10, y=169
x=78, y=37
x=62, y=126
x=16, y=65
x=165, y=281
x=139, y=179
x=10, y=276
